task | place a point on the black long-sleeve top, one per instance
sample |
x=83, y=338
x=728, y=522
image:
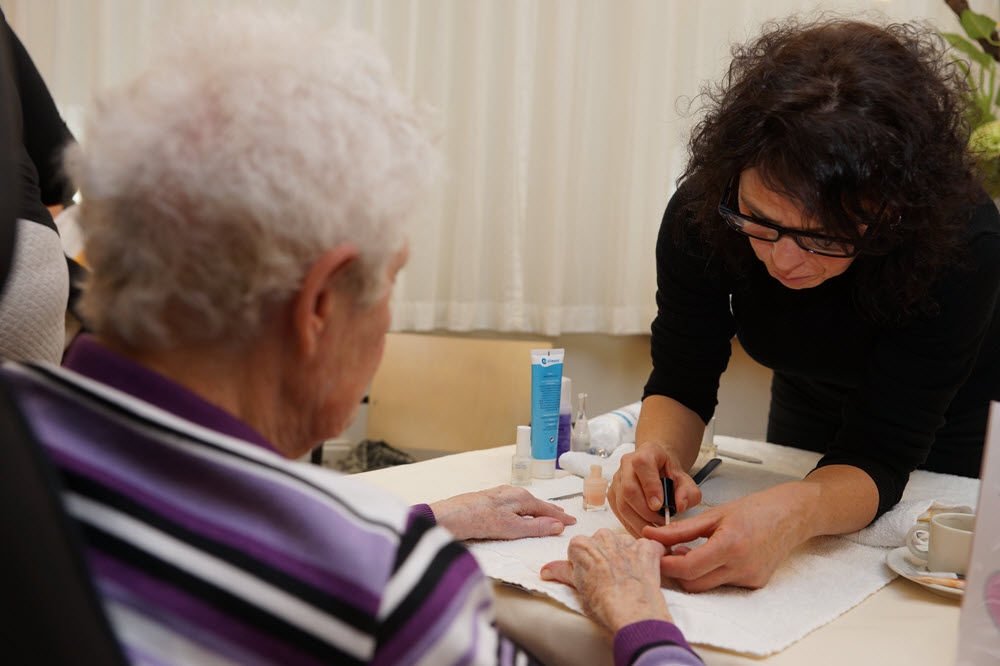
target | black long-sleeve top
x=42, y=133
x=886, y=399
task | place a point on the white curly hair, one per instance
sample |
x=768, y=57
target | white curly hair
x=212, y=181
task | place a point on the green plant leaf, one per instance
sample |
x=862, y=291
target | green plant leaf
x=961, y=44
x=978, y=26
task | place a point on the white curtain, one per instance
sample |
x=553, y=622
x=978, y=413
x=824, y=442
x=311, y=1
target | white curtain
x=563, y=123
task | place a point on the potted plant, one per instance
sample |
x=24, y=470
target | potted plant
x=980, y=55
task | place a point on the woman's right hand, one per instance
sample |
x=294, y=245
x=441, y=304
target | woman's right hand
x=636, y=491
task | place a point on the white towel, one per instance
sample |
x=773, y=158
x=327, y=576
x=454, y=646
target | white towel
x=579, y=463
x=819, y=581
x=890, y=530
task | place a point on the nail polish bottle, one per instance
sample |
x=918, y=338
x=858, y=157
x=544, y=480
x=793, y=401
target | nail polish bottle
x=595, y=490
x=520, y=465
x=565, y=419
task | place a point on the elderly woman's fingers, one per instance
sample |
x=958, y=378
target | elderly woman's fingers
x=616, y=576
x=560, y=571
x=503, y=512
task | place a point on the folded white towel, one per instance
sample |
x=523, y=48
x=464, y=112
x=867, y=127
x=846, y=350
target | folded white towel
x=819, y=581
x=756, y=622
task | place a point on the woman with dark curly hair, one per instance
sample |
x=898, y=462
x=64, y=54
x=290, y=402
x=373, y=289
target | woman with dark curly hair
x=829, y=217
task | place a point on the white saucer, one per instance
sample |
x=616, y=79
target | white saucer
x=899, y=561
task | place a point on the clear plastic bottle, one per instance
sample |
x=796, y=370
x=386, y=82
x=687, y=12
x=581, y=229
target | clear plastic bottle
x=580, y=440
x=708, y=448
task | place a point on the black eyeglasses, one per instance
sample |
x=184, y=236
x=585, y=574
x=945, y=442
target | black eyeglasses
x=754, y=227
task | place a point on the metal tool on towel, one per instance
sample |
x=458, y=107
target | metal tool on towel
x=562, y=497
x=739, y=456
x=709, y=467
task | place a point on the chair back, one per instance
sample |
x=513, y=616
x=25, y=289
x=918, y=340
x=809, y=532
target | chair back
x=52, y=612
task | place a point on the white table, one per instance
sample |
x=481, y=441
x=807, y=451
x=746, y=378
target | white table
x=900, y=624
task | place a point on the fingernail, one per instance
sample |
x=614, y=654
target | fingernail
x=556, y=528
x=545, y=574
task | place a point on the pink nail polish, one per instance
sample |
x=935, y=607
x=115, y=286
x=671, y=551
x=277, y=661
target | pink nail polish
x=595, y=490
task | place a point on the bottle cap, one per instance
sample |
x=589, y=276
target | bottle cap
x=543, y=469
x=596, y=472
x=524, y=441
x=566, y=395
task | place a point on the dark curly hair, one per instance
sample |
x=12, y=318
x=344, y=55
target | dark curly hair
x=857, y=124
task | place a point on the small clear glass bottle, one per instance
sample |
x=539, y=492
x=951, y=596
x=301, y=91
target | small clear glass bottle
x=520, y=464
x=708, y=449
x=580, y=439
x=595, y=490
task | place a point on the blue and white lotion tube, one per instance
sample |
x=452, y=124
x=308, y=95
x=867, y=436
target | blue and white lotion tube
x=546, y=388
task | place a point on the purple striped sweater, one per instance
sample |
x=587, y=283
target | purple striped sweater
x=209, y=548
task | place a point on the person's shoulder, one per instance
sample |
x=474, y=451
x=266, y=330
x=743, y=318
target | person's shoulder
x=985, y=219
x=983, y=232
x=982, y=241
x=362, y=501
x=678, y=219
x=678, y=206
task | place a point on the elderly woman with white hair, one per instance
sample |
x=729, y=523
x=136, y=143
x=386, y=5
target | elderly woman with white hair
x=243, y=208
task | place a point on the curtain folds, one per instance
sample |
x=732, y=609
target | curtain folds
x=563, y=123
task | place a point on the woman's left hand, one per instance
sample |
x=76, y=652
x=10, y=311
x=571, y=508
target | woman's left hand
x=749, y=538
x=504, y=512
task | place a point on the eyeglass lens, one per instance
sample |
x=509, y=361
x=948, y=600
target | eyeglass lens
x=819, y=245
x=760, y=230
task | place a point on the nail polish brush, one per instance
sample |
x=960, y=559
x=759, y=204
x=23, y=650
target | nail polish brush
x=669, y=507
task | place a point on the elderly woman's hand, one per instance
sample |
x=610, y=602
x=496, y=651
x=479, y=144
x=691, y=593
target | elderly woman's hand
x=504, y=512
x=616, y=576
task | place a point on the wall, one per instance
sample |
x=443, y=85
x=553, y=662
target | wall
x=613, y=369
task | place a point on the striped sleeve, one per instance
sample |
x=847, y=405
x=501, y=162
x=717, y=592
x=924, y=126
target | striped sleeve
x=653, y=643
x=438, y=606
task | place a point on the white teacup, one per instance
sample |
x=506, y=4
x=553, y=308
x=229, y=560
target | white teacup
x=945, y=544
